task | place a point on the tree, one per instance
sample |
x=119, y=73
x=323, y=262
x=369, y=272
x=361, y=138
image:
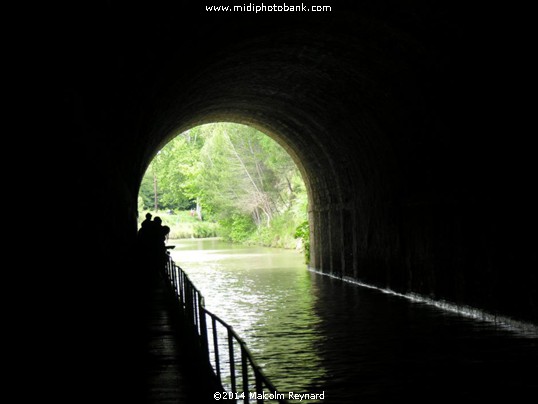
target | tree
x=245, y=172
x=173, y=168
x=241, y=177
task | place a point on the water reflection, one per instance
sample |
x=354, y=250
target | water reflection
x=266, y=296
x=395, y=350
x=312, y=333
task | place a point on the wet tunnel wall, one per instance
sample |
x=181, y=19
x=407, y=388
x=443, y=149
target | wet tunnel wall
x=404, y=119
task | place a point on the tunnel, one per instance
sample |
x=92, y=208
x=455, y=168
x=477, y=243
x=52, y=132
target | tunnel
x=404, y=118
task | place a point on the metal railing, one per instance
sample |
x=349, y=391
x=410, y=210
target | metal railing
x=253, y=385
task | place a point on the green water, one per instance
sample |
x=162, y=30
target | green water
x=266, y=295
x=311, y=333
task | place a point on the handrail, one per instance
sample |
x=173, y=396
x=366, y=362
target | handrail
x=255, y=385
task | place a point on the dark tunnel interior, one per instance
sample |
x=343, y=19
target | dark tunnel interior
x=407, y=119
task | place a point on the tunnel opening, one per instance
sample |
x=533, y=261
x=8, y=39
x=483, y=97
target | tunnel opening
x=230, y=180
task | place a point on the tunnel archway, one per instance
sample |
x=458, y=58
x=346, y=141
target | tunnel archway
x=325, y=184
x=404, y=176
x=410, y=117
x=334, y=129
x=359, y=108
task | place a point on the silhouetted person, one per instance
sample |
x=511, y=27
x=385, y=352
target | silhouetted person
x=144, y=231
x=157, y=221
x=151, y=242
x=147, y=220
x=165, y=232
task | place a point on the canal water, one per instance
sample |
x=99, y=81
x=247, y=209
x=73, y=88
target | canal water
x=314, y=334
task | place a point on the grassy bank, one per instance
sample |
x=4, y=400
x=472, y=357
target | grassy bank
x=287, y=230
x=183, y=225
x=280, y=234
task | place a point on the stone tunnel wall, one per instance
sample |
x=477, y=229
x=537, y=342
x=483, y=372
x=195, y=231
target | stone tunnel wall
x=418, y=173
x=401, y=179
x=409, y=119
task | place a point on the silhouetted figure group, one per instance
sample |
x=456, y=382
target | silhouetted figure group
x=151, y=241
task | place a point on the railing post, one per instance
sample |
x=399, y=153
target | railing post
x=216, y=348
x=195, y=311
x=181, y=277
x=188, y=302
x=232, y=360
x=179, y=283
x=244, y=371
x=259, y=386
x=175, y=280
x=203, y=328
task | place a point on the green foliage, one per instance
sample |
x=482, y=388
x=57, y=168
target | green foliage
x=171, y=173
x=302, y=232
x=205, y=229
x=279, y=234
x=236, y=176
x=146, y=190
x=141, y=206
x=237, y=228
